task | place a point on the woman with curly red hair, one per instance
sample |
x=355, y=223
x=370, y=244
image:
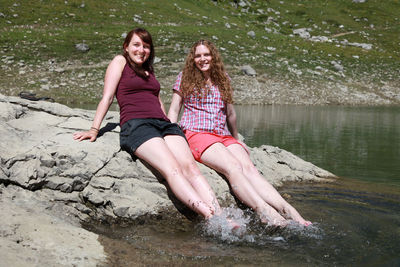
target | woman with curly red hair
x=209, y=123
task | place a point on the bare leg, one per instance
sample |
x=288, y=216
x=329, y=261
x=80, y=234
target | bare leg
x=156, y=152
x=218, y=157
x=263, y=188
x=183, y=155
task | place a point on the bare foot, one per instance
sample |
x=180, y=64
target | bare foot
x=271, y=216
x=233, y=224
x=291, y=213
x=236, y=228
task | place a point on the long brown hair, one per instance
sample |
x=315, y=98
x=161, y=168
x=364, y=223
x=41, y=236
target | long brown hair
x=148, y=64
x=193, y=81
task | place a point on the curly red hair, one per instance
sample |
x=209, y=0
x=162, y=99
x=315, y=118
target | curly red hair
x=193, y=81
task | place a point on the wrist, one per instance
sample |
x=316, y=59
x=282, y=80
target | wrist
x=94, y=129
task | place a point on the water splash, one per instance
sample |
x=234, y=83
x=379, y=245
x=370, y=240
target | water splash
x=229, y=226
x=234, y=225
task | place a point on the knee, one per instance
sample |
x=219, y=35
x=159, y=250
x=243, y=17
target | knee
x=190, y=169
x=174, y=171
x=249, y=168
x=233, y=167
x=171, y=170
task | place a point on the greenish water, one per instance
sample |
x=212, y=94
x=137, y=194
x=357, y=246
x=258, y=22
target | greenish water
x=356, y=220
x=353, y=225
x=354, y=142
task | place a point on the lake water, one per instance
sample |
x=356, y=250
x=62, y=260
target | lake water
x=356, y=220
x=355, y=142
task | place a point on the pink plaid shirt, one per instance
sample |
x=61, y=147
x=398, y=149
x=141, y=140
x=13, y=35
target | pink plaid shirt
x=206, y=114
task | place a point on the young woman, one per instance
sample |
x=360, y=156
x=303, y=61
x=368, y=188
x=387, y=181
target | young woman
x=209, y=123
x=146, y=132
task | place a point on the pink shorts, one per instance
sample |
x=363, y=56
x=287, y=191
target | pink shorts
x=199, y=142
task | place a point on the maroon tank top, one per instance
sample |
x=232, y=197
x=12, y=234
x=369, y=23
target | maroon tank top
x=138, y=98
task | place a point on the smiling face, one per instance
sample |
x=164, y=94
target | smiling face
x=138, y=50
x=203, y=58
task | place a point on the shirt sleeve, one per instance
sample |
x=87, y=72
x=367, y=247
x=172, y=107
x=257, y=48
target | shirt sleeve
x=177, y=85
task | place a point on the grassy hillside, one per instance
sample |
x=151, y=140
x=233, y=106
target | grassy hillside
x=37, y=40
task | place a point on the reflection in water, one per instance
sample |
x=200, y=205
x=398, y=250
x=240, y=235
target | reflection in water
x=358, y=142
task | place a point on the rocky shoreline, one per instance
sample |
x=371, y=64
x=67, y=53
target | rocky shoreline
x=74, y=83
x=50, y=183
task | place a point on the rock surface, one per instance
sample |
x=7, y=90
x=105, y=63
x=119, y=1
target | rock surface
x=49, y=183
x=35, y=231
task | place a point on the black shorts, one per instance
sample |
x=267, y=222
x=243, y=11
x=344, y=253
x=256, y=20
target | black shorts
x=137, y=131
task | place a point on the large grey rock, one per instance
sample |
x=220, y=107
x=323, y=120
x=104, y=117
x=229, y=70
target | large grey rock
x=39, y=153
x=32, y=235
x=50, y=182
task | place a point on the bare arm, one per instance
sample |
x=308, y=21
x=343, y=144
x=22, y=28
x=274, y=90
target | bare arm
x=175, y=108
x=162, y=105
x=232, y=126
x=231, y=120
x=112, y=77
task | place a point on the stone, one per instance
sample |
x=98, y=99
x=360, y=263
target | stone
x=31, y=235
x=243, y=3
x=337, y=66
x=252, y=34
x=50, y=183
x=321, y=39
x=157, y=60
x=59, y=70
x=248, y=70
x=302, y=32
x=82, y=47
x=361, y=45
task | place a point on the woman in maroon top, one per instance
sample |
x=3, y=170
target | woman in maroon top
x=146, y=132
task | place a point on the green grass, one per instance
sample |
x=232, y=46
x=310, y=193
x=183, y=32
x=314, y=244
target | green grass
x=34, y=32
